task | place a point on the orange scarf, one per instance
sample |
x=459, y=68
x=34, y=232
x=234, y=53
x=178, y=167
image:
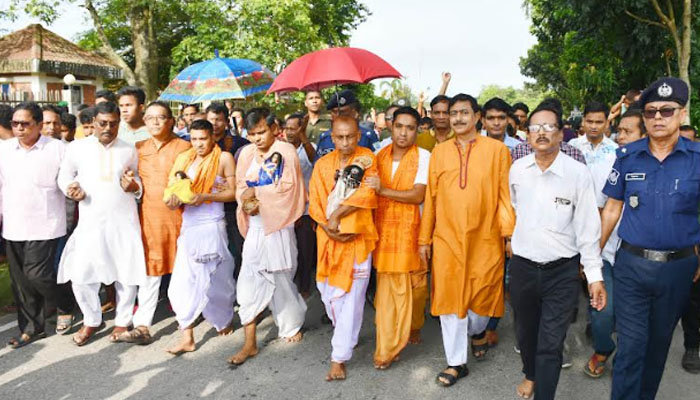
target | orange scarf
x=206, y=171
x=397, y=223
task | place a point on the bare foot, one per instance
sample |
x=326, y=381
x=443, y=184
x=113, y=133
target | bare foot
x=337, y=372
x=294, y=339
x=226, y=331
x=386, y=364
x=526, y=388
x=415, y=337
x=245, y=353
x=184, y=346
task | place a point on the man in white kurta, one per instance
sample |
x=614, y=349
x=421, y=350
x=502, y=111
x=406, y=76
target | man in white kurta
x=268, y=172
x=101, y=173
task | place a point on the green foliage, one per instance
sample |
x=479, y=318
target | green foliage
x=592, y=49
x=396, y=89
x=529, y=95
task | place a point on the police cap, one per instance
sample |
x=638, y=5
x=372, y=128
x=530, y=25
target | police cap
x=665, y=89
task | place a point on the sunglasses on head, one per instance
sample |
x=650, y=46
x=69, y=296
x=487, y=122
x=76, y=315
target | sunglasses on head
x=665, y=112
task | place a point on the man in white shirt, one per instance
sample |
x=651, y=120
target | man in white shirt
x=34, y=217
x=101, y=173
x=557, y=226
x=304, y=229
x=594, y=144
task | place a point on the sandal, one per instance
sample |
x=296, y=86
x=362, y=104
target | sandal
x=24, y=339
x=462, y=371
x=598, y=362
x=479, y=350
x=64, y=323
x=85, y=333
x=118, y=334
x=139, y=335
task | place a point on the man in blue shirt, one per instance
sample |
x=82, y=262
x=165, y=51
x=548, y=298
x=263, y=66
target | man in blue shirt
x=345, y=104
x=657, y=179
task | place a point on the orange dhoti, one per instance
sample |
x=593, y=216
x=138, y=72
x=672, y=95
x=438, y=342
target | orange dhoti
x=402, y=282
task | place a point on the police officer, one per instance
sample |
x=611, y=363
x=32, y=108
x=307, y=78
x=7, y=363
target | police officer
x=657, y=179
x=345, y=104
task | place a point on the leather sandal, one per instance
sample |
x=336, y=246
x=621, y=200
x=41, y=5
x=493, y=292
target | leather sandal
x=83, y=336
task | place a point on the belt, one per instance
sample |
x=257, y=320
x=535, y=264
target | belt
x=659, y=255
x=547, y=265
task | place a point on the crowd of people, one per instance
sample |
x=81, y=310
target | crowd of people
x=461, y=206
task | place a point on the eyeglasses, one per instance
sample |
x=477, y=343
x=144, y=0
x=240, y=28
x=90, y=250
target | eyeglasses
x=159, y=118
x=542, y=127
x=23, y=124
x=104, y=124
x=665, y=112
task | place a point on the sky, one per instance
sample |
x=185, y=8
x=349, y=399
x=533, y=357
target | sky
x=479, y=42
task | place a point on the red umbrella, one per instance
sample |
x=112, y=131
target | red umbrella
x=334, y=66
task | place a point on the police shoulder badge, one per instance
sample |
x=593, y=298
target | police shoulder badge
x=665, y=90
x=634, y=201
x=614, y=175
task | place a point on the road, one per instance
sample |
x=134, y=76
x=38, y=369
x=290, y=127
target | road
x=54, y=368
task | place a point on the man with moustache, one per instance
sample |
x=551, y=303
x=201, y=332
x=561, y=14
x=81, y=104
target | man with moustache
x=402, y=280
x=51, y=126
x=345, y=104
x=495, y=122
x=441, y=130
x=160, y=226
x=100, y=172
x=467, y=238
x=557, y=227
x=656, y=180
x=32, y=209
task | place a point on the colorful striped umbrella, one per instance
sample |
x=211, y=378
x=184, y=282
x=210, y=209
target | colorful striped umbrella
x=218, y=79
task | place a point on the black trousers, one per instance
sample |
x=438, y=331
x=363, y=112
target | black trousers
x=34, y=283
x=544, y=301
x=306, y=244
x=235, y=239
x=691, y=319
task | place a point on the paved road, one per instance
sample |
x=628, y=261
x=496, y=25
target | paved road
x=54, y=368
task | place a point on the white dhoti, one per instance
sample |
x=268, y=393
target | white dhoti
x=267, y=278
x=202, y=280
x=456, y=332
x=345, y=311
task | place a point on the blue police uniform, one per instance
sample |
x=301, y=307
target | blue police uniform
x=655, y=265
x=325, y=144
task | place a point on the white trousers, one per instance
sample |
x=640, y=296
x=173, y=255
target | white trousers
x=148, y=301
x=345, y=311
x=456, y=332
x=88, y=298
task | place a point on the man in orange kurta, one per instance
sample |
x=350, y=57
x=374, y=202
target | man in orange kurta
x=346, y=236
x=160, y=226
x=402, y=282
x=467, y=219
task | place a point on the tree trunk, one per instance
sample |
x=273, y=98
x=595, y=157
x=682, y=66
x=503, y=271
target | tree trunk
x=684, y=54
x=145, y=49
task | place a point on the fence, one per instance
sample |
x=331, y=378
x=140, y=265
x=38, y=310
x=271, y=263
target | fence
x=42, y=97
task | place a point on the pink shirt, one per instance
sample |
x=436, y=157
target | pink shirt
x=33, y=207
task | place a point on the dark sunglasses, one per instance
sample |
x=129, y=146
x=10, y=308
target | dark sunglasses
x=23, y=124
x=665, y=112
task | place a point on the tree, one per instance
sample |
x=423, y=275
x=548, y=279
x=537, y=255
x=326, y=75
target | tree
x=598, y=49
x=397, y=89
x=151, y=40
x=530, y=96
